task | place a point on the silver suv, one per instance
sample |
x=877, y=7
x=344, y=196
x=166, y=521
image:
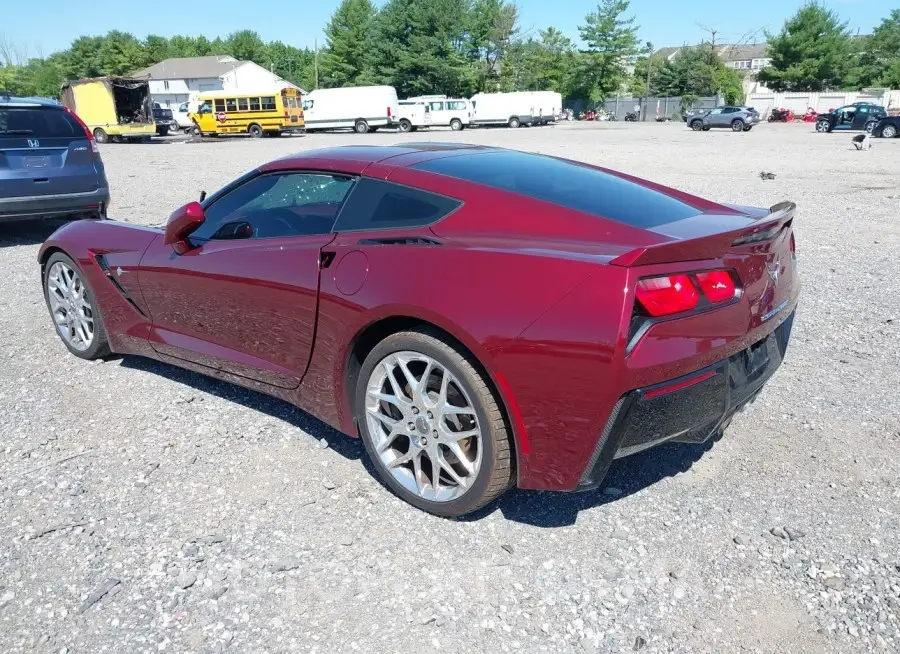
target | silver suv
x=49, y=163
x=738, y=119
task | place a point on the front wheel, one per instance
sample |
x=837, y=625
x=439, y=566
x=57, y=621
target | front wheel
x=823, y=126
x=697, y=125
x=195, y=131
x=748, y=128
x=870, y=126
x=456, y=124
x=431, y=424
x=737, y=126
x=73, y=308
x=361, y=127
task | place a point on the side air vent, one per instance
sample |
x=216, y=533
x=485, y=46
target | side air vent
x=111, y=276
x=399, y=240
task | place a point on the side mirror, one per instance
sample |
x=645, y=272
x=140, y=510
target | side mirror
x=202, y=196
x=182, y=223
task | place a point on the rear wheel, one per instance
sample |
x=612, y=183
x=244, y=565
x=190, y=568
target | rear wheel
x=361, y=126
x=456, y=124
x=431, y=425
x=514, y=122
x=737, y=125
x=889, y=131
x=696, y=125
x=73, y=308
x=748, y=128
x=101, y=136
x=255, y=131
x=405, y=125
x=870, y=126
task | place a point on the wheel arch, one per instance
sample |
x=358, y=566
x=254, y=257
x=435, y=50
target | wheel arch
x=365, y=340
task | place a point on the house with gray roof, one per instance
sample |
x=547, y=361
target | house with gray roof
x=176, y=81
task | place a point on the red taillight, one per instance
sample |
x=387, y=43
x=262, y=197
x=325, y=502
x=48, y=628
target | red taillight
x=89, y=135
x=717, y=285
x=662, y=296
x=389, y=112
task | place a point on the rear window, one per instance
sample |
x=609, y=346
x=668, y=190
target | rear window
x=39, y=123
x=565, y=184
x=374, y=204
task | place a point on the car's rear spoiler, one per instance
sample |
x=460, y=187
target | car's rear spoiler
x=697, y=239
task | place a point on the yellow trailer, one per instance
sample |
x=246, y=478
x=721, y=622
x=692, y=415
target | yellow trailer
x=114, y=108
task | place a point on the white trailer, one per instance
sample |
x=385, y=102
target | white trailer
x=360, y=108
x=510, y=109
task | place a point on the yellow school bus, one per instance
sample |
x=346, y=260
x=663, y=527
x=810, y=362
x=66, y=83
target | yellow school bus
x=270, y=113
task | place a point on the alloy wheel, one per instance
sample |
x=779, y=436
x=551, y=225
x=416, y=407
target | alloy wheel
x=423, y=426
x=889, y=131
x=70, y=306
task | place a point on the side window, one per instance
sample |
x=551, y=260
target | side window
x=230, y=104
x=375, y=204
x=268, y=104
x=730, y=110
x=183, y=107
x=220, y=105
x=715, y=112
x=254, y=104
x=863, y=110
x=270, y=206
x=308, y=104
x=437, y=106
x=242, y=104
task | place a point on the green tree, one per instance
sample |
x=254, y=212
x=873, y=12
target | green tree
x=293, y=64
x=245, y=45
x=492, y=26
x=699, y=71
x=347, y=58
x=611, y=42
x=156, y=49
x=813, y=52
x=420, y=47
x=83, y=58
x=120, y=54
x=880, y=57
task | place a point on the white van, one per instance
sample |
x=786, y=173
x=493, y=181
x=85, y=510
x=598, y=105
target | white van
x=360, y=108
x=412, y=115
x=511, y=109
x=454, y=113
x=548, y=106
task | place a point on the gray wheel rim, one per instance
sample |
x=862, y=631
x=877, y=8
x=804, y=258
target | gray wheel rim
x=70, y=306
x=423, y=426
x=822, y=126
x=889, y=132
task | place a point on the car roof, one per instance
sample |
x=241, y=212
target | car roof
x=372, y=154
x=16, y=101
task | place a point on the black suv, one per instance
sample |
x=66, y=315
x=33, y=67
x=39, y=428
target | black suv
x=857, y=117
x=49, y=163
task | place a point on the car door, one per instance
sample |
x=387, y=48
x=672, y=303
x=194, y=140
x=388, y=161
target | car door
x=243, y=300
x=438, y=113
x=863, y=115
x=714, y=118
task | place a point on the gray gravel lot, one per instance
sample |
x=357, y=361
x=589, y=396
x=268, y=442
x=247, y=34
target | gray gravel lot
x=147, y=509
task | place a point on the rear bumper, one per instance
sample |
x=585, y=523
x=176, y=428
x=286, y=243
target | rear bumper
x=688, y=409
x=45, y=206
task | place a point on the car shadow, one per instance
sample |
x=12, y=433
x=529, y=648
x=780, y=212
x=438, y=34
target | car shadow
x=28, y=232
x=536, y=508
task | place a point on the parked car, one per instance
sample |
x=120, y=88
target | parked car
x=856, y=117
x=887, y=127
x=404, y=295
x=494, y=109
x=738, y=119
x=164, y=120
x=454, y=113
x=114, y=108
x=50, y=165
x=360, y=108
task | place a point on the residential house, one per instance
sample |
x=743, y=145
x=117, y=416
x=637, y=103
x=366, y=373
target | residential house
x=174, y=81
x=748, y=58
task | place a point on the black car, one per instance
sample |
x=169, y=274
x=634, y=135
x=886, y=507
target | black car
x=857, y=117
x=887, y=127
x=49, y=162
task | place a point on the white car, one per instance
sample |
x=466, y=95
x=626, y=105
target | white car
x=455, y=113
x=360, y=108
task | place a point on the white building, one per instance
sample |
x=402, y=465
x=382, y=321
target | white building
x=174, y=81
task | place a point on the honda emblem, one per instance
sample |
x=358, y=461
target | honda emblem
x=34, y=143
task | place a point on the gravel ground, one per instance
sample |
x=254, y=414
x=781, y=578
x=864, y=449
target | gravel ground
x=147, y=509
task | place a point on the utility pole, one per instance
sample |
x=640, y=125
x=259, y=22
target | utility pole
x=649, y=64
x=316, y=63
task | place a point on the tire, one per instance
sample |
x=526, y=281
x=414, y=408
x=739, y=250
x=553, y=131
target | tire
x=737, y=125
x=361, y=126
x=255, y=131
x=162, y=131
x=101, y=136
x=748, y=128
x=870, y=126
x=456, y=125
x=514, y=123
x=195, y=131
x=492, y=469
x=697, y=125
x=57, y=264
x=889, y=131
x=405, y=125
x=823, y=126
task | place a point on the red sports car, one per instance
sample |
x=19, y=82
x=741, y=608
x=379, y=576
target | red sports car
x=480, y=317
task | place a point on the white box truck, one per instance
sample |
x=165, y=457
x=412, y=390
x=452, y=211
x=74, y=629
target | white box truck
x=510, y=109
x=360, y=108
x=548, y=106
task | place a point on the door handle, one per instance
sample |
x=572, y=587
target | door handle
x=325, y=259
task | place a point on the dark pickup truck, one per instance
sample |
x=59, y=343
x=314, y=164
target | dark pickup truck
x=163, y=119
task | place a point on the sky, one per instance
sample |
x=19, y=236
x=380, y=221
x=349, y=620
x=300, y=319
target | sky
x=662, y=22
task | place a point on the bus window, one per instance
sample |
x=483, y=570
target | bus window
x=230, y=104
x=268, y=104
x=242, y=104
x=220, y=105
x=254, y=104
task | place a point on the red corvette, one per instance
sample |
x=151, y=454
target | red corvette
x=480, y=317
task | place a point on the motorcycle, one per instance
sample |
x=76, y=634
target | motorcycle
x=810, y=116
x=631, y=117
x=781, y=116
